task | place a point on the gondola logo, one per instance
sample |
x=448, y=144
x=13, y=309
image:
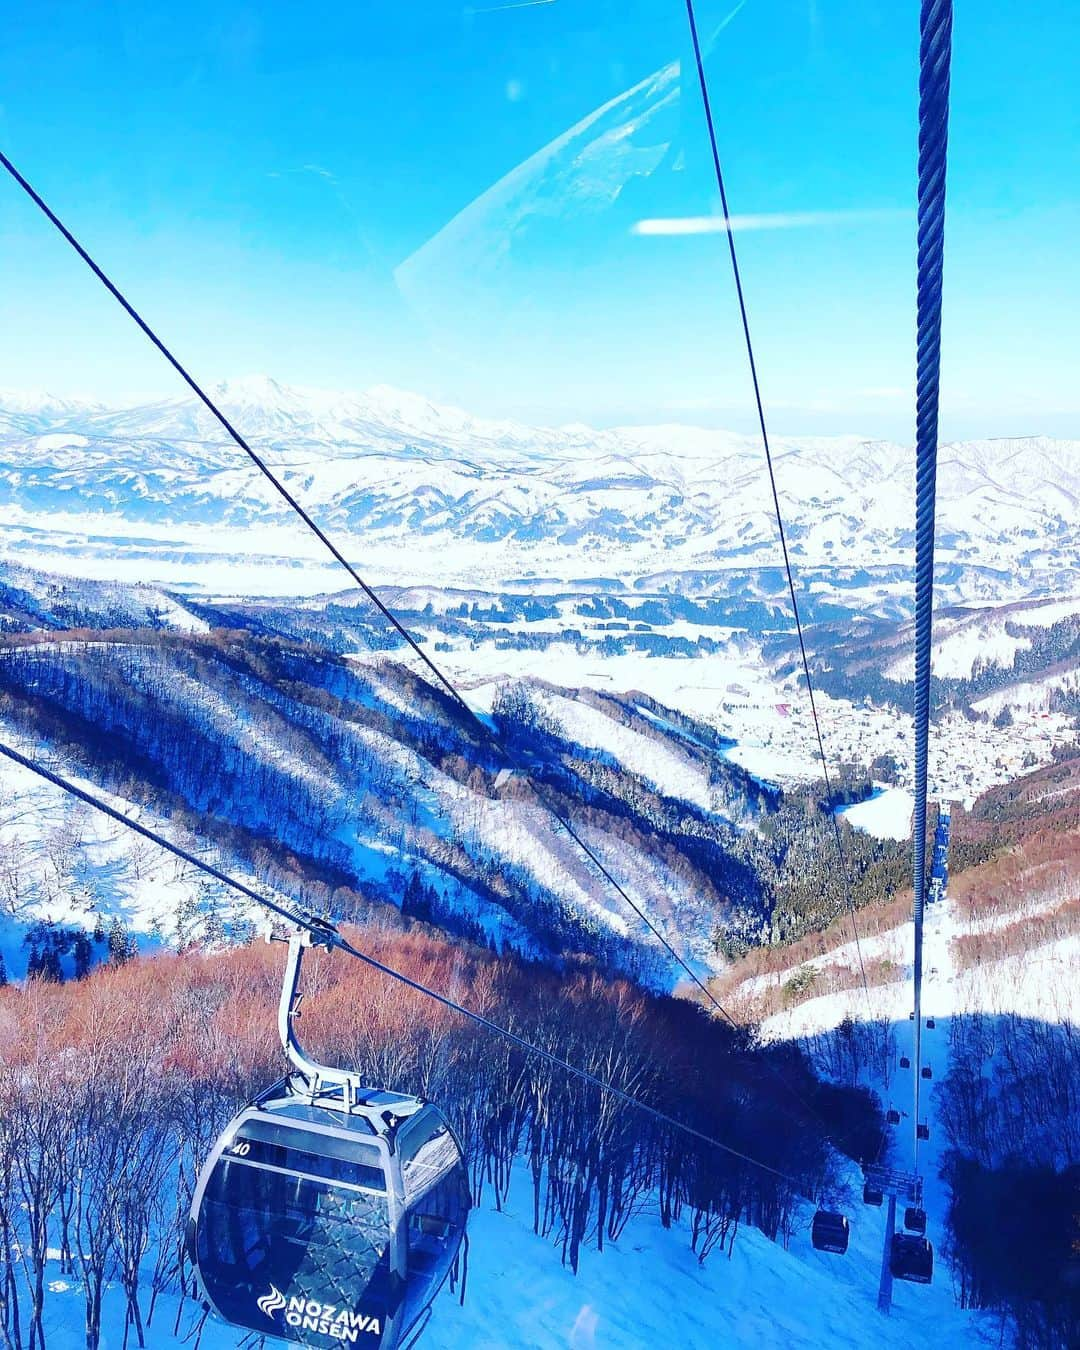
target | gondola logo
x=325, y=1318
x=272, y=1302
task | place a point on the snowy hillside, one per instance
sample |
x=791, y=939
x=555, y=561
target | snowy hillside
x=967, y=640
x=296, y=731
x=362, y=783
x=1007, y=941
x=66, y=871
x=999, y=1045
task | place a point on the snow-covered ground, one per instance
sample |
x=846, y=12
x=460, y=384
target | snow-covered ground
x=647, y=1290
x=61, y=861
x=885, y=815
x=1043, y=982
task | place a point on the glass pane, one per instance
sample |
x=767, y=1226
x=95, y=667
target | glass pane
x=283, y=1255
x=434, y=1231
x=318, y=1155
x=428, y=1151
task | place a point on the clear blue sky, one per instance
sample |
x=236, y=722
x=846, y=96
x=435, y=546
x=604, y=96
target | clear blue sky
x=275, y=185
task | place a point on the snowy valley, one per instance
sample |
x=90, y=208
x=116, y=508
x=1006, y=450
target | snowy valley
x=610, y=606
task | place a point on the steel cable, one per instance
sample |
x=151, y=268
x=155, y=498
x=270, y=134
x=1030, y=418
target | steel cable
x=935, y=56
x=737, y=275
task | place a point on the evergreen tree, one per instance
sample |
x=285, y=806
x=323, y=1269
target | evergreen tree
x=51, y=968
x=416, y=900
x=83, y=953
x=243, y=932
x=214, y=931
x=118, y=943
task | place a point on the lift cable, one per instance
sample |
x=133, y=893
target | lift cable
x=935, y=57
x=486, y=730
x=730, y=233
x=327, y=934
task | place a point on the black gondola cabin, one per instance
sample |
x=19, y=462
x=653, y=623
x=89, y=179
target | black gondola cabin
x=915, y=1219
x=328, y=1213
x=829, y=1232
x=911, y=1258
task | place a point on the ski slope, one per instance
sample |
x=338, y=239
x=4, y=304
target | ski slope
x=885, y=815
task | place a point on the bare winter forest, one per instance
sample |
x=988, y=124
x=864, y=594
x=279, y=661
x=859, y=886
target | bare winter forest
x=114, y=1087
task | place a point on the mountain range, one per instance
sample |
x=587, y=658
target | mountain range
x=659, y=508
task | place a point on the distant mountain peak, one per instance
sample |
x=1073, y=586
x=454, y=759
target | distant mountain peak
x=254, y=388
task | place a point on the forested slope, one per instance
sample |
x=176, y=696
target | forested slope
x=360, y=784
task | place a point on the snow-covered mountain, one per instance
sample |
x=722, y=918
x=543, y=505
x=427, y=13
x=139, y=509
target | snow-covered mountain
x=664, y=507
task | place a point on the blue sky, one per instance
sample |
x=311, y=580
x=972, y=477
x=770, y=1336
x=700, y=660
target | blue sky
x=387, y=193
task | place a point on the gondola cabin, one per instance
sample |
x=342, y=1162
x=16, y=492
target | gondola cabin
x=328, y=1212
x=905, y=1062
x=911, y=1258
x=829, y=1232
x=892, y=1116
x=872, y=1195
x=309, y=1223
x=915, y=1219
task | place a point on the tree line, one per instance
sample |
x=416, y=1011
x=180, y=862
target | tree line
x=1010, y=1109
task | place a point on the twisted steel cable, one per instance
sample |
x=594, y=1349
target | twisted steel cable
x=935, y=57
